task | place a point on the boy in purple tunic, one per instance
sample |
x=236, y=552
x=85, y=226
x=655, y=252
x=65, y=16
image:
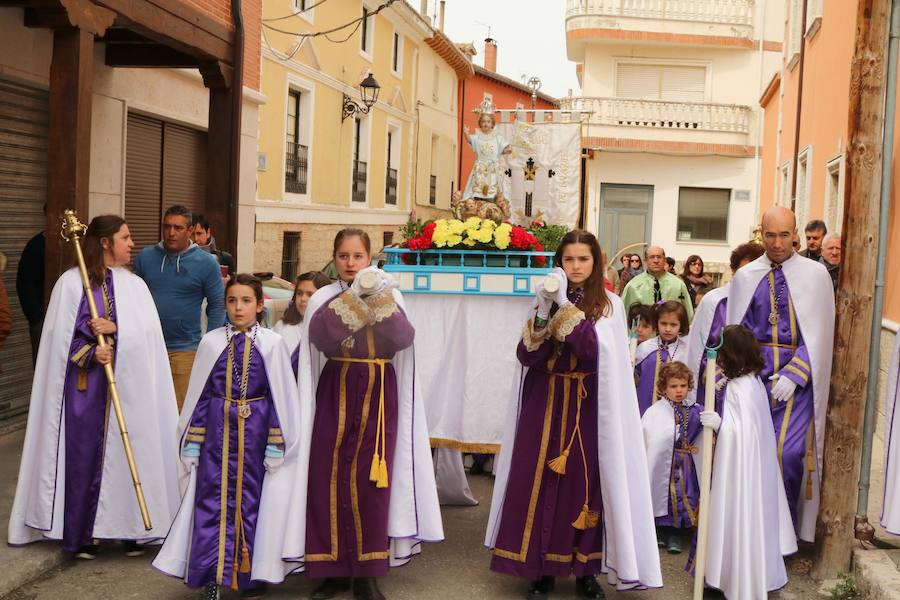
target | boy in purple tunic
x=670, y=345
x=670, y=433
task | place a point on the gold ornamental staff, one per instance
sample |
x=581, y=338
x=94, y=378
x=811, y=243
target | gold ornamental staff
x=72, y=231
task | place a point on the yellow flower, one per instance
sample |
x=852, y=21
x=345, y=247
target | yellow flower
x=453, y=240
x=469, y=241
x=502, y=236
x=473, y=222
x=456, y=226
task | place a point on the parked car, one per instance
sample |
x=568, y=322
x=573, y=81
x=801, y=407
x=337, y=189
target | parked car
x=277, y=294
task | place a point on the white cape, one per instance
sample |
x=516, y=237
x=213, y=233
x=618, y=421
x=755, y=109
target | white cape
x=700, y=326
x=268, y=540
x=678, y=352
x=148, y=402
x=660, y=429
x=414, y=515
x=812, y=293
x=747, y=499
x=890, y=507
x=631, y=556
x=290, y=334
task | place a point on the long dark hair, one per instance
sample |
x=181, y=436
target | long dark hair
x=740, y=353
x=595, y=302
x=686, y=268
x=348, y=232
x=291, y=315
x=250, y=281
x=104, y=226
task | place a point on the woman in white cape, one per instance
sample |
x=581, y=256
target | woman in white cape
x=74, y=481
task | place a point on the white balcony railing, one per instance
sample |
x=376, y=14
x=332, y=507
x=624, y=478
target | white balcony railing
x=661, y=114
x=733, y=12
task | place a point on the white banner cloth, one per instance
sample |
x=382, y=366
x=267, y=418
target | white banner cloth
x=552, y=146
x=466, y=362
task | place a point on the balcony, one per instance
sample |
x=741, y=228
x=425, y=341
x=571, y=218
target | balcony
x=296, y=168
x=721, y=23
x=663, y=120
x=390, y=187
x=360, y=177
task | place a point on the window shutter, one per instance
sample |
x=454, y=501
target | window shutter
x=683, y=83
x=143, y=178
x=184, y=168
x=680, y=83
x=637, y=81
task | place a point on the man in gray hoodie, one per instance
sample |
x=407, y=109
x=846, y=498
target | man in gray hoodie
x=180, y=276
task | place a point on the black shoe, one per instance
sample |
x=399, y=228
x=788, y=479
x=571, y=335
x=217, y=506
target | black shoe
x=541, y=588
x=587, y=587
x=132, y=548
x=257, y=592
x=210, y=592
x=88, y=552
x=477, y=468
x=660, y=537
x=366, y=588
x=709, y=592
x=330, y=588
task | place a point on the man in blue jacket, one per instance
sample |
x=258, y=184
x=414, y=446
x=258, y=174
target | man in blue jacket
x=180, y=276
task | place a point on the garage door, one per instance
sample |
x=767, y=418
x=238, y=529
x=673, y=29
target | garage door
x=23, y=191
x=165, y=164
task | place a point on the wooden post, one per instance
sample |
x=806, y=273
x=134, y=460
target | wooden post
x=221, y=207
x=843, y=433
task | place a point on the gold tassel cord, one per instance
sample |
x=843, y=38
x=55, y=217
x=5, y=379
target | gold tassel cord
x=810, y=461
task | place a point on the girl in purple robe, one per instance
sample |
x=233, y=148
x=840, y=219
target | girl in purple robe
x=669, y=345
x=238, y=400
x=670, y=432
x=288, y=327
x=355, y=428
x=550, y=524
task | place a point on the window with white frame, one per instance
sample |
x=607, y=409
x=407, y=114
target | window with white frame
x=784, y=197
x=432, y=179
x=703, y=214
x=834, y=193
x=304, y=8
x=366, y=30
x=392, y=177
x=813, y=17
x=661, y=81
x=298, y=138
x=436, y=83
x=801, y=199
x=397, y=54
x=360, y=163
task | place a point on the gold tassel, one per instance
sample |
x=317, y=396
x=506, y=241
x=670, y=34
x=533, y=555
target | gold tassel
x=82, y=379
x=382, y=481
x=586, y=518
x=810, y=467
x=373, y=470
x=245, y=559
x=558, y=464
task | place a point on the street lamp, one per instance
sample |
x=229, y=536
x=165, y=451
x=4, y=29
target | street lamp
x=368, y=91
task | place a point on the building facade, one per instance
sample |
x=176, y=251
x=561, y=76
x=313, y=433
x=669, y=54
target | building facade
x=674, y=128
x=321, y=170
x=125, y=108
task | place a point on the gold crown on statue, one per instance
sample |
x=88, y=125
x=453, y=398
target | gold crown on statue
x=486, y=107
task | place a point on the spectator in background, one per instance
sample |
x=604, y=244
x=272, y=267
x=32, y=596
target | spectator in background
x=670, y=265
x=626, y=258
x=5, y=313
x=201, y=234
x=694, y=277
x=815, y=232
x=635, y=268
x=657, y=284
x=30, y=288
x=180, y=276
x=831, y=256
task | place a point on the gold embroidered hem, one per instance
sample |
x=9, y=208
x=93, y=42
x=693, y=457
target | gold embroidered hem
x=533, y=339
x=465, y=446
x=352, y=310
x=565, y=321
x=567, y=558
x=383, y=305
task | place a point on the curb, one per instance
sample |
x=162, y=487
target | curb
x=24, y=565
x=877, y=576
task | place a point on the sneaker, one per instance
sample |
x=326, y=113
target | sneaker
x=674, y=545
x=132, y=548
x=88, y=552
x=210, y=592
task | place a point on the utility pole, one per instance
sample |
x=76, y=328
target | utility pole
x=843, y=433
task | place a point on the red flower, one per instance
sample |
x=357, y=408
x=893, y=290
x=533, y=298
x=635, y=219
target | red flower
x=520, y=239
x=423, y=240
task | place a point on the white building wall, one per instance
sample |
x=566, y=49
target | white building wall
x=666, y=174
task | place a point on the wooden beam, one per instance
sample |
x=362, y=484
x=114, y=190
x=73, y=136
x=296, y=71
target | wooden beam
x=69, y=143
x=147, y=55
x=216, y=74
x=220, y=210
x=843, y=434
x=70, y=13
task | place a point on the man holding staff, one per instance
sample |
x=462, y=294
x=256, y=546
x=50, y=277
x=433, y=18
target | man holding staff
x=74, y=481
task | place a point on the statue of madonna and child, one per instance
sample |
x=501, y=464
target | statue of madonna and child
x=487, y=192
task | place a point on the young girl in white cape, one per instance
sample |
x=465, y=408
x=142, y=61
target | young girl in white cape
x=669, y=345
x=290, y=324
x=750, y=526
x=239, y=435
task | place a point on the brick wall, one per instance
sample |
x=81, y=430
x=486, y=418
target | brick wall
x=220, y=10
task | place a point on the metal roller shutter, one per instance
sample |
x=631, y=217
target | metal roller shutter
x=184, y=167
x=23, y=191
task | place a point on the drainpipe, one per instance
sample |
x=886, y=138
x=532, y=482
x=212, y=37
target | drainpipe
x=887, y=160
x=237, y=97
x=761, y=113
x=799, y=107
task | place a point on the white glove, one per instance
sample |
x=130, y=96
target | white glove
x=544, y=301
x=710, y=418
x=380, y=282
x=272, y=463
x=561, y=297
x=782, y=387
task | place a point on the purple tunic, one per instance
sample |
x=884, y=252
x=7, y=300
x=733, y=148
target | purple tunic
x=715, y=331
x=646, y=373
x=347, y=515
x=684, y=490
x=231, y=469
x=536, y=536
x=784, y=353
x=86, y=414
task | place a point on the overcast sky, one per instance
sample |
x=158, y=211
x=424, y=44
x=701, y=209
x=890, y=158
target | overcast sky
x=530, y=35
